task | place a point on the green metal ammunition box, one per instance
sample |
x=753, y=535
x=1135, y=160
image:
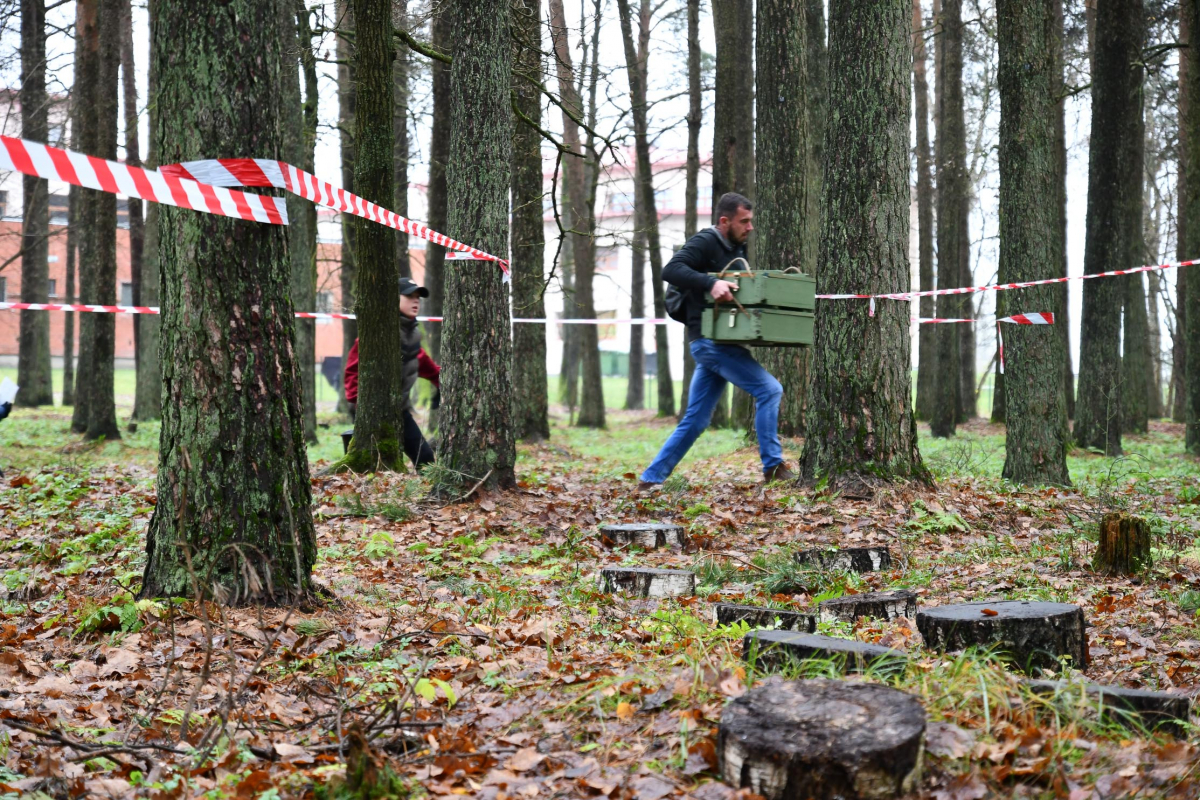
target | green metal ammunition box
x=768, y=327
x=775, y=288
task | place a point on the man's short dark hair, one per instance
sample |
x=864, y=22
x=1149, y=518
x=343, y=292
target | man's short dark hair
x=730, y=203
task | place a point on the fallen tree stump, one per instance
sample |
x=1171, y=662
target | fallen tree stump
x=764, y=618
x=1034, y=634
x=773, y=650
x=1124, y=547
x=849, y=559
x=822, y=739
x=647, y=582
x=646, y=535
x=1133, y=708
x=875, y=605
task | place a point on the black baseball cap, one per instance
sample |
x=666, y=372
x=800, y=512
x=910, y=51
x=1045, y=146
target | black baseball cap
x=410, y=287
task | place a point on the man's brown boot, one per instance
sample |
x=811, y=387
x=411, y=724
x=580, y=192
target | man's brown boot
x=779, y=472
x=648, y=486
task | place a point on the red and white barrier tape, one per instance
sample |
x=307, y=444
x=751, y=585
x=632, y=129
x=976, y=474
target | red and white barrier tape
x=68, y=166
x=1019, y=319
x=262, y=172
x=1001, y=287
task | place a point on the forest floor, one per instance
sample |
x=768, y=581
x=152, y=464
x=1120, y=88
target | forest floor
x=470, y=643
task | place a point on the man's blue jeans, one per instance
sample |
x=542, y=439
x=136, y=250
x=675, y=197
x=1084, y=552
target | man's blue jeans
x=717, y=365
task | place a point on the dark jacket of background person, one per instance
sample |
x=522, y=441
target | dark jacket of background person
x=417, y=364
x=691, y=270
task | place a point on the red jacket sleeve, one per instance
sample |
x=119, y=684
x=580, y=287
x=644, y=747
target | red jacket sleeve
x=350, y=375
x=428, y=369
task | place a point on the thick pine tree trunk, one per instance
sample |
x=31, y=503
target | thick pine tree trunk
x=347, y=83
x=87, y=73
x=1155, y=406
x=378, y=421
x=233, y=519
x=33, y=347
x=1114, y=218
x=101, y=406
x=302, y=214
x=1189, y=294
x=1136, y=362
x=443, y=40
x=583, y=241
x=785, y=179
x=1062, y=320
x=476, y=414
x=926, y=334
x=400, y=94
x=137, y=224
x=733, y=128
x=530, y=390
x=860, y=423
x=953, y=208
x=1029, y=229
x=148, y=395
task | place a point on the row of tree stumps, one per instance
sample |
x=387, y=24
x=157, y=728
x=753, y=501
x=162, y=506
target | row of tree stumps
x=835, y=739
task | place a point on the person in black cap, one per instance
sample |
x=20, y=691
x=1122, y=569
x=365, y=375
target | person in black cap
x=417, y=364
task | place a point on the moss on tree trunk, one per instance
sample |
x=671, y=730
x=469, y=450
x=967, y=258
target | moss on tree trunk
x=1189, y=296
x=926, y=334
x=378, y=421
x=1114, y=218
x=787, y=183
x=530, y=391
x=1029, y=228
x=476, y=414
x=234, y=516
x=860, y=423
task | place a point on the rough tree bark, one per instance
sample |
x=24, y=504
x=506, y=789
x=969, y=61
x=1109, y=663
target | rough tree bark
x=860, y=423
x=302, y=216
x=301, y=126
x=953, y=210
x=476, y=414
x=233, y=520
x=1029, y=229
x=1063, y=308
x=583, y=241
x=346, y=86
x=443, y=40
x=787, y=181
x=148, y=396
x=33, y=346
x=378, y=420
x=530, y=390
x=137, y=224
x=400, y=93
x=101, y=405
x=926, y=334
x=1114, y=217
x=87, y=55
x=1189, y=298
x=691, y=192
x=733, y=132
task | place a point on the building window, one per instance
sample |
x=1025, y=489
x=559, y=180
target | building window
x=3, y=204
x=324, y=303
x=52, y=289
x=606, y=332
x=619, y=202
x=126, y=293
x=3, y=290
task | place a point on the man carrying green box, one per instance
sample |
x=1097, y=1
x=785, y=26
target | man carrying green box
x=690, y=270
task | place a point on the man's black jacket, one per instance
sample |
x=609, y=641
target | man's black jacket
x=691, y=270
